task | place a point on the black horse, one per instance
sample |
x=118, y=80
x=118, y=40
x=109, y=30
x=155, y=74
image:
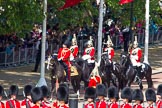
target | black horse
x=106, y=71
x=130, y=72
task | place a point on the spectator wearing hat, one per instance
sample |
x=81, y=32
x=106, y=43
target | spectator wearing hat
x=62, y=98
x=150, y=97
x=113, y=96
x=2, y=105
x=45, y=103
x=64, y=58
x=101, y=94
x=13, y=102
x=94, y=78
x=138, y=97
x=37, y=95
x=27, y=102
x=159, y=96
x=126, y=95
x=90, y=95
x=74, y=48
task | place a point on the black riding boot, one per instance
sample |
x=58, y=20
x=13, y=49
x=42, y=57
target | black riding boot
x=66, y=70
x=138, y=74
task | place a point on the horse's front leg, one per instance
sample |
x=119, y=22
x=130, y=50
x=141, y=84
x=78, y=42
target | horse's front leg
x=52, y=87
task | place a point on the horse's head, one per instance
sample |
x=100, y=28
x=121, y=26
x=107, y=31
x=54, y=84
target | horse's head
x=52, y=61
x=105, y=60
x=124, y=59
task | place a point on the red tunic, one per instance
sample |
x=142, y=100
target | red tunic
x=94, y=81
x=137, y=54
x=74, y=50
x=15, y=103
x=159, y=104
x=89, y=105
x=126, y=106
x=23, y=103
x=101, y=104
x=46, y=104
x=35, y=106
x=110, y=51
x=64, y=55
x=150, y=106
x=137, y=106
x=113, y=105
x=2, y=105
x=55, y=105
x=90, y=51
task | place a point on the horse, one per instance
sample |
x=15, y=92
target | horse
x=58, y=75
x=130, y=72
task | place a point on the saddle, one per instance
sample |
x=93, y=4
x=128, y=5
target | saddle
x=74, y=71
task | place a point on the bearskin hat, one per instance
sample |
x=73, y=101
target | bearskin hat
x=137, y=95
x=13, y=90
x=150, y=95
x=66, y=88
x=113, y=93
x=27, y=90
x=36, y=94
x=90, y=92
x=127, y=94
x=101, y=90
x=67, y=43
x=45, y=91
x=159, y=90
x=62, y=94
x=1, y=90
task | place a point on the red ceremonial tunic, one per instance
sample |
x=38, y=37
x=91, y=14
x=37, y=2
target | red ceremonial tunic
x=150, y=106
x=74, y=50
x=2, y=105
x=110, y=51
x=138, y=54
x=64, y=55
x=15, y=104
x=89, y=105
x=55, y=105
x=137, y=106
x=126, y=106
x=46, y=104
x=113, y=105
x=35, y=106
x=94, y=81
x=23, y=103
x=101, y=104
x=159, y=104
x=90, y=51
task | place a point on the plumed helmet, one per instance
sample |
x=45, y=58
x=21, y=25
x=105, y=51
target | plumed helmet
x=74, y=40
x=13, y=90
x=159, y=90
x=150, y=95
x=90, y=92
x=137, y=95
x=1, y=91
x=109, y=41
x=101, y=90
x=90, y=43
x=127, y=94
x=67, y=43
x=62, y=94
x=135, y=41
x=27, y=90
x=45, y=91
x=113, y=93
x=36, y=94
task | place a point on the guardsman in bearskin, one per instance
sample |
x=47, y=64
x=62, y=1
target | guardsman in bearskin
x=94, y=78
x=89, y=54
x=90, y=95
x=12, y=102
x=64, y=58
x=45, y=91
x=27, y=102
x=126, y=95
x=1, y=96
x=135, y=56
x=101, y=94
x=113, y=96
x=74, y=48
x=138, y=97
x=159, y=96
x=150, y=97
x=109, y=50
x=37, y=95
x=62, y=98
